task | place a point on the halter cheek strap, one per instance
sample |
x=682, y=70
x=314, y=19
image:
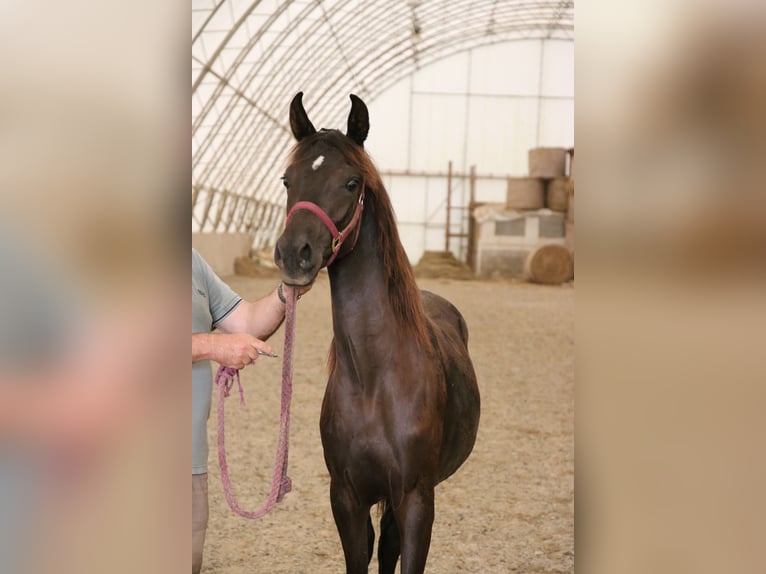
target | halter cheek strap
x=338, y=237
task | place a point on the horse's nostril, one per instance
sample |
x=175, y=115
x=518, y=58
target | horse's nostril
x=277, y=255
x=305, y=256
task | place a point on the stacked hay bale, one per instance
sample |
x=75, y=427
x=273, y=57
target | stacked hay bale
x=549, y=165
x=551, y=263
x=525, y=193
x=557, y=194
x=525, y=237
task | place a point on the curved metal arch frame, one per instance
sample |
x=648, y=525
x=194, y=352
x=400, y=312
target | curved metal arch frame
x=240, y=153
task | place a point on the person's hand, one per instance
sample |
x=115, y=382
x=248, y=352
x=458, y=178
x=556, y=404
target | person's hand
x=236, y=350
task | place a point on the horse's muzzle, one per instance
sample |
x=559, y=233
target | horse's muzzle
x=297, y=261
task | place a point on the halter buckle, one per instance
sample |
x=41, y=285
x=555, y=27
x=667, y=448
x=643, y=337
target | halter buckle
x=337, y=242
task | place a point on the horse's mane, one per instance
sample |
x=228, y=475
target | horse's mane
x=403, y=292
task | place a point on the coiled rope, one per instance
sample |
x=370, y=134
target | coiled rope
x=224, y=380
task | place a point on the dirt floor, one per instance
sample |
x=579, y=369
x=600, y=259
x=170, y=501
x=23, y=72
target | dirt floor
x=510, y=508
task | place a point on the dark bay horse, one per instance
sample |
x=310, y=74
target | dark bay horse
x=401, y=408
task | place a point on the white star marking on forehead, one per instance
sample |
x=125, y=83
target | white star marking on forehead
x=317, y=162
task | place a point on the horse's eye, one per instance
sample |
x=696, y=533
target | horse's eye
x=285, y=182
x=352, y=184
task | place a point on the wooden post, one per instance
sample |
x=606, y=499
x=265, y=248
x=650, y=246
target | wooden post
x=232, y=212
x=449, y=206
x=224, y=203
x=471, y=255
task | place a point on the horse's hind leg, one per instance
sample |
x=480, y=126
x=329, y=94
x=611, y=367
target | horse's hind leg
x=350, y=518
x=388, y=545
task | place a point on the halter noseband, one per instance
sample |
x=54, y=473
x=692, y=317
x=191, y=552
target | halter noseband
x=338, y=237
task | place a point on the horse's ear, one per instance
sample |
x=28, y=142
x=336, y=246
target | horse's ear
x=299, y=120
x=358, y=121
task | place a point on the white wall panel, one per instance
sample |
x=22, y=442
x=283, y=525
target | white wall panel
x=491, y=190
x=387, y=141
x=437, y=131
x=557, y=123
x=504, y=69
x=448, y=76
x=436, y=198
x=409, y=199
x=413, y=238
x=558, y=69
x=434, y=242
x=500, y=133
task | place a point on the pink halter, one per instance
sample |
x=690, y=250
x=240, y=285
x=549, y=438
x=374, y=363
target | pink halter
x=338, y=237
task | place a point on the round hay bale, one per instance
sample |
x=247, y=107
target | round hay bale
x=547, y=162
x=556, y=195
x=549, y=264
x=525, y=193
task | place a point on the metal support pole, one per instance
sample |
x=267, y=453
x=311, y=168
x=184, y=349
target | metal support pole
x=449, y=206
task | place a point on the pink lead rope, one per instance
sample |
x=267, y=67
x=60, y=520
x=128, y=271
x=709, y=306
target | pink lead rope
x=224, y=380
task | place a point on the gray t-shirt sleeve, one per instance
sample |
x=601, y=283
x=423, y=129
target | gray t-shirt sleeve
x=221, y=299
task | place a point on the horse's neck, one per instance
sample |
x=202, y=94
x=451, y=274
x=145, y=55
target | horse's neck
x=360, y=304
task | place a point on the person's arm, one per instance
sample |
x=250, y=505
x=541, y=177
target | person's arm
x=259, y=318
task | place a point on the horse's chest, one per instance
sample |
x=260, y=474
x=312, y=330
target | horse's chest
x=380, y=431
x=355, y=424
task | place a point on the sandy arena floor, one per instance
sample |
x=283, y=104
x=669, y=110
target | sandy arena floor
x=510, y=508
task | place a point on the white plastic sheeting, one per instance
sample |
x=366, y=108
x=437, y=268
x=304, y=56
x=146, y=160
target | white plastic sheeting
x=474, y=82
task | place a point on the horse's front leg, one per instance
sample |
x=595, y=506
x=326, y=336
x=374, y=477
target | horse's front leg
x=351, y=521
x=415, y=516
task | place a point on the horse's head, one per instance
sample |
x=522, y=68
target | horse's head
x=325, y=192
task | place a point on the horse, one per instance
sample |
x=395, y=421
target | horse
x=401, y=409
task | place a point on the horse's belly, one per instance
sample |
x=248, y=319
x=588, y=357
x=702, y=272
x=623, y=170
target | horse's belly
x=461, y=426
x=461, y=415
